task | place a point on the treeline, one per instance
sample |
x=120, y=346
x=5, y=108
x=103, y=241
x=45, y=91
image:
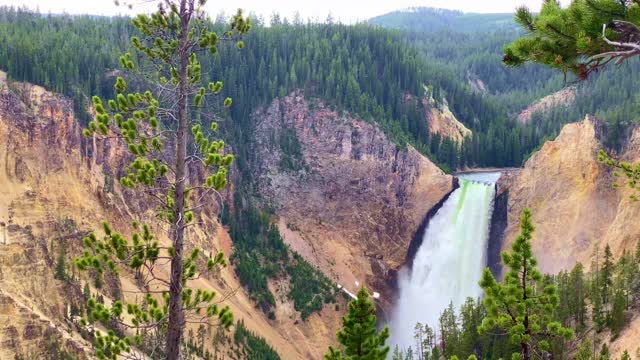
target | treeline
x=594, y=304
x=253, y=347
x=243, y=344
x=361, y=69
x=476, y=58
x=429, y=20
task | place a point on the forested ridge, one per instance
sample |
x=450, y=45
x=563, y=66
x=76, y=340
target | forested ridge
x=361, y=69
x=476, y=43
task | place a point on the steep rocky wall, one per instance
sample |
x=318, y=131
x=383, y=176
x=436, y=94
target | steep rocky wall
x=55, y=186
x=356, y=199
x=443, y=122
x=575, y=209
x=570, y=194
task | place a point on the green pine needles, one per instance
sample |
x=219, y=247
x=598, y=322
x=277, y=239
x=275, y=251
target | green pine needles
x=359, y=336
x=581, y=38
x=156, y=127
x=522, y=305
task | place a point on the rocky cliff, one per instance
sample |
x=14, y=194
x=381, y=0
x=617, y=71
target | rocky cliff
x=349, y=200
x=564, y=97
x=54, y=188
x=443, y=122
x=575, y=209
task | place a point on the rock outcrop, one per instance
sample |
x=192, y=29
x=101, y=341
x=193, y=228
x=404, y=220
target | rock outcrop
x=570, y=193
x=564, y=97
x=443, y=122
x=354, y=199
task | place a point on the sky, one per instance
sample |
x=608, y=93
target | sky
x=347, y=11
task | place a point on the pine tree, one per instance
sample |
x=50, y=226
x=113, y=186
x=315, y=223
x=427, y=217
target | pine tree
x=428, y=343
x=577, y=294
x=606, y=276
x=470, y=319
x=409, y=355
x=359, y=337
x=397, y=354
x=625, y=356
x=419, y=336
x=172, y=37
x=61, y=267
x=580, y=39
x=522, y=305
x=617, y=317
x=584, y=350
x=604, y=353
x=86, y=291
x=449, y=331
x=635, y=286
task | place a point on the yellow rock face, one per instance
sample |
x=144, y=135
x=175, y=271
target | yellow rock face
x=575, y=209
x=52, y=192
x=444, y=123
x=559, y=98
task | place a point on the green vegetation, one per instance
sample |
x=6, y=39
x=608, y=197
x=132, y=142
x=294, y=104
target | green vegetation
x=522, y=304
x=292, y=159
x=260, y=254
x=253, y=346
x=364, y=70
x=580, y=38
x=431, y=20
x=476, y=58
x=310, y=288
x=358, y=336
x=61, y=264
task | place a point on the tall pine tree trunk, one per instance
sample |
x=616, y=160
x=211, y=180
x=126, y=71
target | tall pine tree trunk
x=176, y=313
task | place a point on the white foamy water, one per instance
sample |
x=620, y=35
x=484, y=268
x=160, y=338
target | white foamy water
x=448, y=265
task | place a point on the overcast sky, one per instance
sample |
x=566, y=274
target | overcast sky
x=347, y=11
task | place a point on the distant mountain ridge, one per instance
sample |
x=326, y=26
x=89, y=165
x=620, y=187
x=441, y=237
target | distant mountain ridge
x=427, y=19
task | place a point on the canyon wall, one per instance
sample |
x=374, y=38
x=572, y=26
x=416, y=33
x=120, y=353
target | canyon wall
x=350, y=206
x=576, y=210
x=55, y=187
x=354, y=200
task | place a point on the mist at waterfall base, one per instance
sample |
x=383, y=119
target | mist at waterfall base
x=448, y=265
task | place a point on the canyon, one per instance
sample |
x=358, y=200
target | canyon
x=352, y=211
x=345, y=197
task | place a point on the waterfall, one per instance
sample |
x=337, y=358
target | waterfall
x=448, y=265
